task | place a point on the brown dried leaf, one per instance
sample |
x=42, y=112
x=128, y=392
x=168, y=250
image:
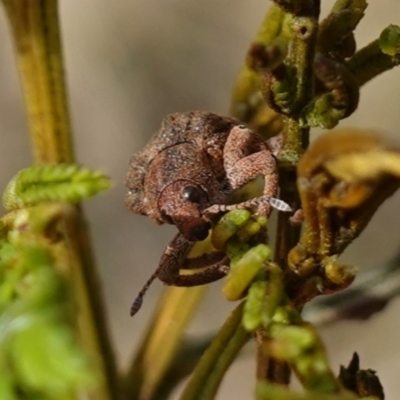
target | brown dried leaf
x=343, y=178
x=354, y=163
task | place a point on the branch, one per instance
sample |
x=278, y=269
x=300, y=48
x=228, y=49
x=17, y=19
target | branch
x=212, y=366
x=36, y=35
x=377, y=57
x=247, y=103
x=340, y=23
x=162, y=344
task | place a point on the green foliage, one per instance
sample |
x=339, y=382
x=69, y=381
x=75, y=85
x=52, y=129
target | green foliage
x=244, y=270
x=63, y=182
x=263, y=299
x=40, y=356
x=233, y=234
x=42, y=252
x=227, y=227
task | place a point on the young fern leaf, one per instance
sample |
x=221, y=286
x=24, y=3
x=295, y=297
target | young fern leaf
x=62, y=182
x=40, y=354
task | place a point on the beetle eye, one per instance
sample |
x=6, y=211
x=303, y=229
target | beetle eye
x=192, y=193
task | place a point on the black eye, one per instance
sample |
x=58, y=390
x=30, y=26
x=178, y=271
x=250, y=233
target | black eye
x=192, y=193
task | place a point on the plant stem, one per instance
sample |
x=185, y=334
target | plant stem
x=92, y=320
x=287, y=235
x=370, y=62
x=185, y=361
x=341, y=22
x=296, y=138
x=277, y=371
x=36, y=35
x=212, y=366
x=157, y=355
x=299, y=59
x=35, y=29
x=247, y=103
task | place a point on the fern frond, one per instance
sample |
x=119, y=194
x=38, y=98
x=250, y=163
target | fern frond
x=40, y=355
x=62, y=182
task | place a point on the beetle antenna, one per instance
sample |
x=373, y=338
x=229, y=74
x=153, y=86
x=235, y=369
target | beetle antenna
x=139, y=298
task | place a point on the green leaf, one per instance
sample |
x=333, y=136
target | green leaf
x=7, y=391
x=40, y=356
x=44, y=183
x=45, y=358
x=245, y=270
x=227, y=226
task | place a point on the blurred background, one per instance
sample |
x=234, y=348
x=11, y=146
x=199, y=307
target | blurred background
x=129, y=63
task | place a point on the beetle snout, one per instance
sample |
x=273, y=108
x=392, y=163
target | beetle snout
x=194, y=229
x=197, y=231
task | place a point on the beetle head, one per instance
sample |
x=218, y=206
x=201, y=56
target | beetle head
x=181, y=203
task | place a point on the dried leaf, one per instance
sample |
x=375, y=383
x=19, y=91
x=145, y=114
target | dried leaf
x=343, y=178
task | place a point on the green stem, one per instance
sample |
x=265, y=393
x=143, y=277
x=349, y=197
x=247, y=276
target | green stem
x=212, y=366
x=156, y=358
x=287, y=233
x=247, y=103
x=36, y=35
x=296, y=137
x=300, y=345
x=270, y=369
x=183, y=365
x=304, y=31
x=300, y=60
x=341, y=22
x=295, y=142
x=370, y=62
x=35, y=29
x=92, y=322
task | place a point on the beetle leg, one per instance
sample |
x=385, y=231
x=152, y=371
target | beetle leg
x=247, y=156
x=175, y=259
